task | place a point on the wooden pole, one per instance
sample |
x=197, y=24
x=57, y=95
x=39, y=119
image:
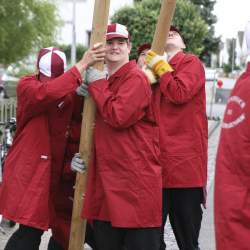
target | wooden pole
x=163, y=26
x=78, y=225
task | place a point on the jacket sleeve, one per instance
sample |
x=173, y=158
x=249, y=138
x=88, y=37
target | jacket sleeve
x=35, y=96
x=183, y=84
x=127, y=106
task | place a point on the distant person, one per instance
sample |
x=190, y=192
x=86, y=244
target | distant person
x=3, y=93
x=183, y=138
x=232, y=173
x=33, y=166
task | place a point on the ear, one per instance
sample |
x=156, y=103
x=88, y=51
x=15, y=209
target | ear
x=183, y=44
x=129, y=47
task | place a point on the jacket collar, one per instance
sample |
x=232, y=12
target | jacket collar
x=176, y=58
x=123, y=70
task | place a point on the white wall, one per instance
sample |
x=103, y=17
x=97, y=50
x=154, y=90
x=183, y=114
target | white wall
x=84, y=15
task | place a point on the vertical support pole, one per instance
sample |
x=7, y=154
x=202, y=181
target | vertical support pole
x=78, y=225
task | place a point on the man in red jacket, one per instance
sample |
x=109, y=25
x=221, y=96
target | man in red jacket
x=232, y=173
x=34, y=161
x=183, y=138
x=123, y=197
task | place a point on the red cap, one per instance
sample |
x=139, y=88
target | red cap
x=116, y=30
x=51, y=63
x=143, y=47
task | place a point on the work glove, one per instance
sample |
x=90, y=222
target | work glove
x=157, y=63
x=93, y=75
x=149, y=74
x=82, y=90
x=77, y=164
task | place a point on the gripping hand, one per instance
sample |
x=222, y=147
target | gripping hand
x=149, y=74
x=82, y=90
x=93, y=75
x=77, y=164
x=157, y=63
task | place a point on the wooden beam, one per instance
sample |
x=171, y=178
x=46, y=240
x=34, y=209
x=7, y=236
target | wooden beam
x=78, y=225
x=163, y=26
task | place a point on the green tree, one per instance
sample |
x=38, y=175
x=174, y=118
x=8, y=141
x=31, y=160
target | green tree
x=80, y=49
x=142, y=17
x=211, y=42
x=25, y=25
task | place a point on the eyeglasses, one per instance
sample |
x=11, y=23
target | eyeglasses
x=172, y=33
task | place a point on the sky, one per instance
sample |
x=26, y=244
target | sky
x=232, y=16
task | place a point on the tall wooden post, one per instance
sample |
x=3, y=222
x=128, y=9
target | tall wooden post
x=78, y=225
x=163, y=26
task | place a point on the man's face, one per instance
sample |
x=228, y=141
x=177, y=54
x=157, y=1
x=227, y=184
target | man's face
x=175, y=41
x=117, y=50
x=141, y=58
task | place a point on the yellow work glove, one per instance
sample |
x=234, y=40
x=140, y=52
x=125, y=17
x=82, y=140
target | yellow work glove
x=157, y=63
x=149, y=74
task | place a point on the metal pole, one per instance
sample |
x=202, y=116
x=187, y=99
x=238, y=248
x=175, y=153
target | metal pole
x=232, y=54
x=73, y=45
x=212, y=98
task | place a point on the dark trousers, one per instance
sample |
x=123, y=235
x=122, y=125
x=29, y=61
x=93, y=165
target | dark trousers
x=183, y=206
x=29, y=238
x=113, y=238
x=53, y=245
x=24, y=238
x=89, y=237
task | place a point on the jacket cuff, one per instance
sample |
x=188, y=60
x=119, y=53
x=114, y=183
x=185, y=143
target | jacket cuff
x=76, y=74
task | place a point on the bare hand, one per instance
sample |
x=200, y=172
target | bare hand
x=91, y=56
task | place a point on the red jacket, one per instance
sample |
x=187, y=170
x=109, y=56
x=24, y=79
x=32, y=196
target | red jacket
x=232, y=176
x=183, y=124
x=25, y=192
x=124, y=182
x=59, y=116
x=64, y=198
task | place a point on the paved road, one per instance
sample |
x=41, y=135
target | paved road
x=207, y=238
x=215, y=110
x=207, y=230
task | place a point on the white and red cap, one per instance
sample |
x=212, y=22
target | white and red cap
x=116, y=30
x=51, y=62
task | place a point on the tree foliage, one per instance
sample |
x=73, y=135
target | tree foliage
x=211, y=42
x=80, y=49
x=142, y=17
x=25, y=25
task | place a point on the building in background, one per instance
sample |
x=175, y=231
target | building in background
x=238, y=49
x=83, y=19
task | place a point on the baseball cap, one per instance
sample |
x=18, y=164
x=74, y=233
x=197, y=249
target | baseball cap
x=143, y=47
x=51, y=62
x=116, y=30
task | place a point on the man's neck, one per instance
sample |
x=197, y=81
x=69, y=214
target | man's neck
x=114, y=66
x=171, y=53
